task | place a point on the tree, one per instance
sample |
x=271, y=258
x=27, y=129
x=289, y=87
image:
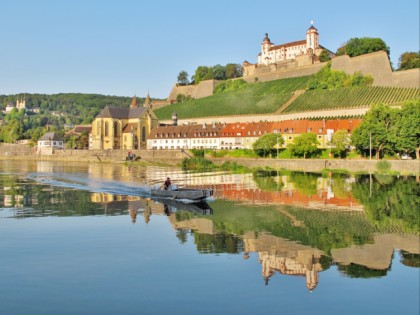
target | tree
x=340, y=142
x=203, y=73
x=181, y=98
x=11, y=132
x=183, y=78
x=360, y=46
x=233, y=71
x=407, y=130
x=219, y=72
x=324, y=56
x=409, y=60
x=326, y=78
x=304, y=144
x=376, y=127
x=267, y=144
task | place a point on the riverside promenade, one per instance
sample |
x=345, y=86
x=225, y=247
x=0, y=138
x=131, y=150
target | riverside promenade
x=175, y=157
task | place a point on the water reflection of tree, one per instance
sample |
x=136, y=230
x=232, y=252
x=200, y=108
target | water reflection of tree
x=322, y=230
x=266, y=181
x=218, y=243
x=409, y=259
x=359, y=271
x=182, y=235
x=305, y=183
x=391, y=204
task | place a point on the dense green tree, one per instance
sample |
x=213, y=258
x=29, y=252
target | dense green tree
x=409, y=60
x=203, y=73
x=339, y=143
x=11, y=132
x=183, y=78
x=219, y=72
x=324, y=56
x=267, y=144
x=377, y=129
x=326, y=78
x=230, y=85
x=407, y=131
x=233, y=71
x=364, y=45
x=304, y=145
x=36, y=133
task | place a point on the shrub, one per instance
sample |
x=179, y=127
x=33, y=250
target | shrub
x=383, y=166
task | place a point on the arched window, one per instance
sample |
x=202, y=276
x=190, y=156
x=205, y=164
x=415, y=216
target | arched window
x=115, y=129
x=143, y=134
x=106, y=129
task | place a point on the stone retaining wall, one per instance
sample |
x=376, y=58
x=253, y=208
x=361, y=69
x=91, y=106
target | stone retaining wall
x=174, y=157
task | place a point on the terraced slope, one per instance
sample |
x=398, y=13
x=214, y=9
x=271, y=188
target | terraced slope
x=350, y=97
x=257, y=98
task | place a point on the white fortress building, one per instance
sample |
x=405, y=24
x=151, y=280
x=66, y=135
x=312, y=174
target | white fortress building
x=271, y=53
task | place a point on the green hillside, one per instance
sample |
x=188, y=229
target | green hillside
x=269, y=97
x=257, y=98
x=350, y=97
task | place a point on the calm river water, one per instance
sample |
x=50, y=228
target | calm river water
x=88, y=239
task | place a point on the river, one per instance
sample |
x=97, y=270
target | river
x=86, y=238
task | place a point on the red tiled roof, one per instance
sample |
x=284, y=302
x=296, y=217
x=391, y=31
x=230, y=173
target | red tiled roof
x=291, y=44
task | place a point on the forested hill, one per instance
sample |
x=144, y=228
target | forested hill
x=78, y=108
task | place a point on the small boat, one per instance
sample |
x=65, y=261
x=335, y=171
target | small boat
x=182, y=193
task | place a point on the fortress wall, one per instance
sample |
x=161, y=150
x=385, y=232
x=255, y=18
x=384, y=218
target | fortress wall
x=282, y=72
x=375, y=64
x=407, y=78
x=203, y=89
x=187, y=90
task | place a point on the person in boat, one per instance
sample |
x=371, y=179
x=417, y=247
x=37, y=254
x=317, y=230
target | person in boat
x=167, y=184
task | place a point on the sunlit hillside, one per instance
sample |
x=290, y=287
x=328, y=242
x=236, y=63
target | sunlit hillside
x=278, y=97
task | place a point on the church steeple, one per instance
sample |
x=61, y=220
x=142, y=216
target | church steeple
x=134, y=102
x=148, y=101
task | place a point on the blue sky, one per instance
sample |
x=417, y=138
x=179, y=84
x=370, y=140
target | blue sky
x=128, y=48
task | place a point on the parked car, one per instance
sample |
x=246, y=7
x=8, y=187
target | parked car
x=405, y=156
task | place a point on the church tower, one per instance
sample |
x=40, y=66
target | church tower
x=265, y=46
x=21, y=104
x=134, y=102
x=148, y=101
x=312, y=38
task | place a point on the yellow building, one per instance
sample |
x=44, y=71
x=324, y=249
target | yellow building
x=122, y=128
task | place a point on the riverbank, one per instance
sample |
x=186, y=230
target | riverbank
x=175, y=157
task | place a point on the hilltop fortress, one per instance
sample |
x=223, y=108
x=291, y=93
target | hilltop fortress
x=301, y=58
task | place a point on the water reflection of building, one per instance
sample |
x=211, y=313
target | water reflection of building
x=134, y=205
x=12, y=199
x=285, y=257
x=275, y=254
x=322, y=199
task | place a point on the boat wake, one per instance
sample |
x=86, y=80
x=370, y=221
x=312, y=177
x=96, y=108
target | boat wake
x=83, y=182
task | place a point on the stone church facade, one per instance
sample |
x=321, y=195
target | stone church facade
x=122, y=128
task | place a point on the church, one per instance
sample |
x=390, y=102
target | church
x=123, y=128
